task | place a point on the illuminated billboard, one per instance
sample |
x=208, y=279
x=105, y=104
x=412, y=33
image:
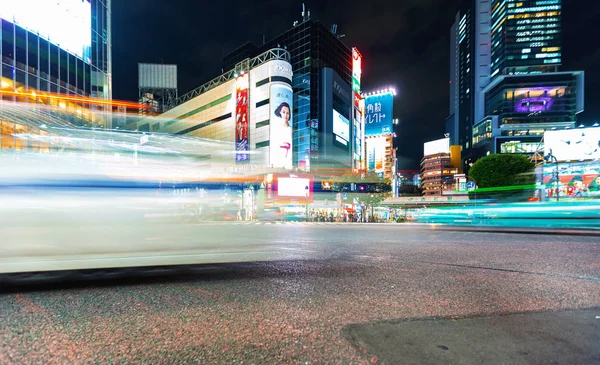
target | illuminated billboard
x=573, y=144
x=537, y=99
x=281, y=126
x=66, y=23
x=241, y=118
x=293, y=187
x=356, y=69
x=437, y=146
x=378, y=113
x=341, y=126
x=376, y=147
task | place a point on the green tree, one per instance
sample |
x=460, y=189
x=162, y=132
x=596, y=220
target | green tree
x=504, y=170
x=368, y=189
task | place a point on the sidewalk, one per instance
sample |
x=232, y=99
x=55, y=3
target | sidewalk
x=570, y=337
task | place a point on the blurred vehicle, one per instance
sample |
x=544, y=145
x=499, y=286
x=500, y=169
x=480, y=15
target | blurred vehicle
x=577, y=214
x=112, y=199
x=271, y=214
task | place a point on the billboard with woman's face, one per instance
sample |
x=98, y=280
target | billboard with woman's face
x=281, y=127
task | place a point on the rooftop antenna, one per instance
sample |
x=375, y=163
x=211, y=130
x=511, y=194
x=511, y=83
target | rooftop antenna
x=303, y=10
x=334, y=28
x=308, y=14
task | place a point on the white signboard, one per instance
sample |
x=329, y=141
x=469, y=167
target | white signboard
x=292, y=187
x=573, y=144
x=437, y=146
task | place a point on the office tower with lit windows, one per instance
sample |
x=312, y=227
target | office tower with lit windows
x=470, y=52
x=526, y=37
x=516, y=91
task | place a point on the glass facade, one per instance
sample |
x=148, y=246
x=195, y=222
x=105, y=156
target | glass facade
x=31, y=62
x=313, y=48
x=526, y=36
x=33, y=68
x=482, y=131
x=466, y=86
x=528, y=102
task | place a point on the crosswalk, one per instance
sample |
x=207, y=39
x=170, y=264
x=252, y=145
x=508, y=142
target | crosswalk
x=287, y=223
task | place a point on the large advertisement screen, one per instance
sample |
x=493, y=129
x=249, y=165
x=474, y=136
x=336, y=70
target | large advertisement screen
x=575, y=180
x=573, y=144
x=66, y=23
x=241, y=119
x=341, y=126
x=281, y=127
x=538, y=99
x=378, y=114
x=437, y=146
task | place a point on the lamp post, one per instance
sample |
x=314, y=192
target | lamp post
x=548, y=157
x=307, y=193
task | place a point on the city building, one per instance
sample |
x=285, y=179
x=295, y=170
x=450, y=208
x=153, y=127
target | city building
x=526, y=36
x=157, y=88
x=470, y=59
x=505, y=84
x=520, y=108
x=250, y=105
x=65, y=49
x=250, y=108
x=439, y=167
x=324, y=95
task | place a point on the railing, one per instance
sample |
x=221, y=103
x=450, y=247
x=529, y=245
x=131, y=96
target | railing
x=245, y=65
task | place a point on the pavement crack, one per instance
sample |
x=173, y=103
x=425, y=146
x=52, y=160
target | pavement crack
x=510, y=270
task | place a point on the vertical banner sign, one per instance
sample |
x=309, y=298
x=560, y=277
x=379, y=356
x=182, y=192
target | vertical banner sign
x=357, y=116
x=356, y=70
x=241, y=118
x=281, y=127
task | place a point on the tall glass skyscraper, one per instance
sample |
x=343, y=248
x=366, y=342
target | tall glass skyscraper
x=505, y=86
x=526, y=36
x=66, y=50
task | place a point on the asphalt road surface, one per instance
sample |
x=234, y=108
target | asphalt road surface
x=299, y=311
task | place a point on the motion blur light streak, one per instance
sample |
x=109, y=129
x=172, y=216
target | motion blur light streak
x=77, y=99
x=102, y=199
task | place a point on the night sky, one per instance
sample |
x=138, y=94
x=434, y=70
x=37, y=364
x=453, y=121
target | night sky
x=405, y=44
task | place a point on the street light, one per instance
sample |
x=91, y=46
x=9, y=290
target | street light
x=307, y=193
x=548, y=157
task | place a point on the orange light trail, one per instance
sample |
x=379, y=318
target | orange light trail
x=79, y=99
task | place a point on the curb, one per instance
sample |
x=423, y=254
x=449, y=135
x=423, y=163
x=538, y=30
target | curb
x=516, y=230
